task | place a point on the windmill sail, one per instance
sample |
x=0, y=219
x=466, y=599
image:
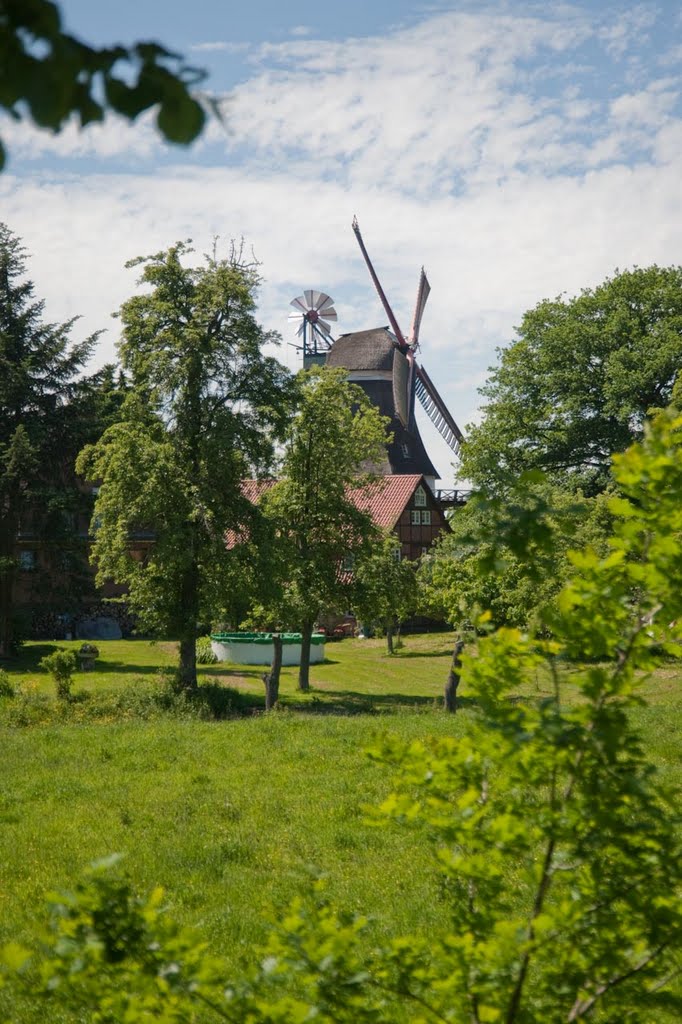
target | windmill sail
x=436, y=409
x=380, y=291
x=401, y=396
x=423, y=292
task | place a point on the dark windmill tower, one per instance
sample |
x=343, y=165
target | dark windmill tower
x=383, y=362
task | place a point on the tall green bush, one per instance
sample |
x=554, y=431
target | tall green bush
x=61, y=665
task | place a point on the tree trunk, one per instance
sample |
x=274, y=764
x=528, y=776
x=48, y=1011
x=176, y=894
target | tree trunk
x=450, y=698
x=304, y=670
x=189, y=604
x=187, y=673
x=389, y=638
x=271, y=678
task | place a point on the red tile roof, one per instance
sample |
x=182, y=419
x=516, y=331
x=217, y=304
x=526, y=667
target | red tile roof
x=255, y=489
x=385, y=499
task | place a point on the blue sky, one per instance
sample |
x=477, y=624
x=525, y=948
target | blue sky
x=516, y=150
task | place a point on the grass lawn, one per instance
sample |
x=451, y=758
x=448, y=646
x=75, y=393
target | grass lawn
x=354, y=674
x=232, y=816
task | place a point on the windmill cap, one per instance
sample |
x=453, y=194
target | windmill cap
x=364, y=350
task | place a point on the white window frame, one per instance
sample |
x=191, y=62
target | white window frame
x=426, y=517
x=415, y=517
x=420, y=498
x=397, y=555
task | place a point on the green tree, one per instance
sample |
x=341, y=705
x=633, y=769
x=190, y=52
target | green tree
x=49, y=76
x=676, y=394
x=509, y=555
x=204, y=411
x=320, y=528
x=577, y=384
x=558, y=848
x=40, y=428
x=385, y=592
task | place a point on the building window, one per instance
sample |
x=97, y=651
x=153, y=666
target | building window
x=397, y=554
x=415, y=517
x=425, y=551
x=27, y=560
x=348, y=562
x=420, y=497
x=405, y=451
x=426, y=517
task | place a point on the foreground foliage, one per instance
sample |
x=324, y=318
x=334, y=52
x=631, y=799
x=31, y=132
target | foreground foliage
x=558, y=851
x=50, y=75
x=510, y=555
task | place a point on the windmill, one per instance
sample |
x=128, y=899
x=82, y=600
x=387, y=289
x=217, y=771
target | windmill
x=383, y=362
x=314, y=310
x=419, y=382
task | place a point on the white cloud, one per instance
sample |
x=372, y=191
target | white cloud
x=114, y=137
x=472, y=143
x=455, y=103
x=626, y=27
x=650, y=107
x=219, y=46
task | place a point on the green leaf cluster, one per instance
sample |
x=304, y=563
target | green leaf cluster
x=50, y=76
x=385, y=592
x=509, y=554
x=579, y=381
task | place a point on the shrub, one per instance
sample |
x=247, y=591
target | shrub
x=61, y=666
x=30, y=707
x=205, y=655
x=139, y=701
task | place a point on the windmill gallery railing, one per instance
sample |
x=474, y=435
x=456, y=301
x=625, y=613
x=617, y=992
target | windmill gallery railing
x=454, y=498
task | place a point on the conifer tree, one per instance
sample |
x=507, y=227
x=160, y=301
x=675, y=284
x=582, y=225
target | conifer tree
x=39, y=371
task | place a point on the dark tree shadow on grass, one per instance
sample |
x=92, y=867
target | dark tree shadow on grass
x=118, y=667
x=353, y=703
x=404, y=655
x=234, y=672
x=27, y=659
x=221, y=702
